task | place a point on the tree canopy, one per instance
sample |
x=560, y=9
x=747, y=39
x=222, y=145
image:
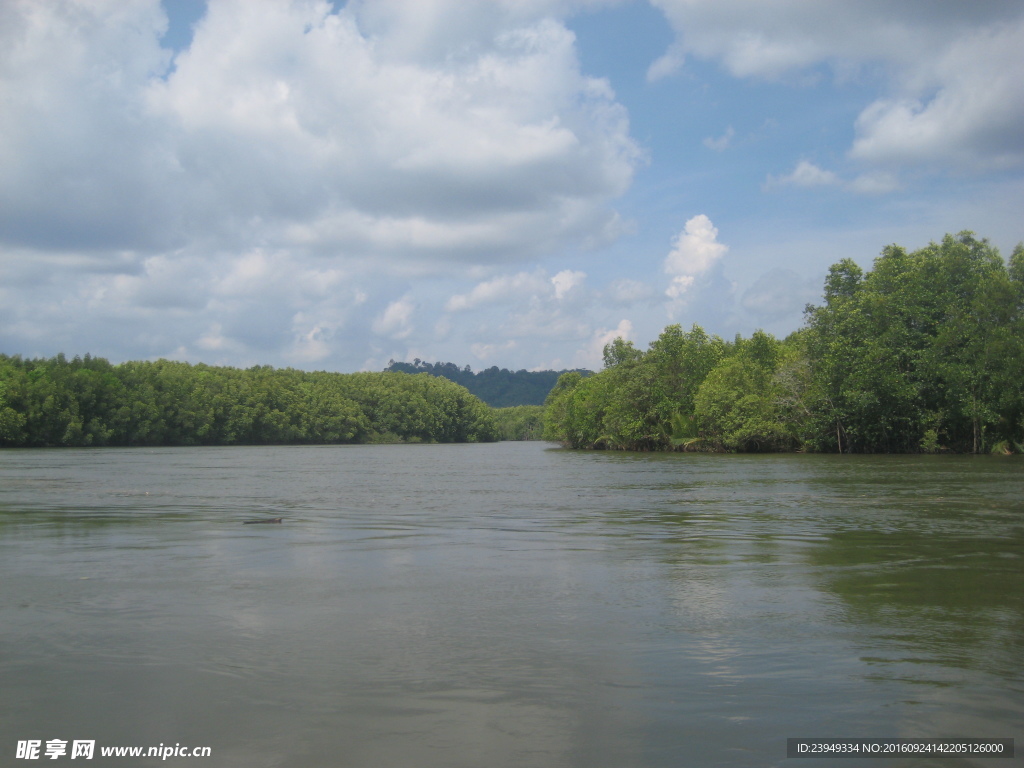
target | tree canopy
x=925, y=352
x=498, y=387
x=87, y=402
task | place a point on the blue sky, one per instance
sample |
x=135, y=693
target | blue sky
x=486, y=182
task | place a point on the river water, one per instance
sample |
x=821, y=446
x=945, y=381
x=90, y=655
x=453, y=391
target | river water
x=509, y=604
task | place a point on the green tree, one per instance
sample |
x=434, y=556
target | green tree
x=12, y=423
x=521, y=422
x=86, y=401
x=742, y=403
x=922, y=351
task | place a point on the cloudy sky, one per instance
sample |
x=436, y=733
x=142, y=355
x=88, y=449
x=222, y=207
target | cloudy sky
x=487, y=182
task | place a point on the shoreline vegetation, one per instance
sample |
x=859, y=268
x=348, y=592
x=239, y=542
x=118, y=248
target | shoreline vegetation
x=922, y=354
x=498, y=387
x=87, y=401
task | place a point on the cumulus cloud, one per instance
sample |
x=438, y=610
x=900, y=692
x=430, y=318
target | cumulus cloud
x=310, y=182
x=668, y=64
x=285, y=121
x=543, y=320
x=243, y=194
x=83, y=165
x=694, y=251
x=592, y=355
x=434, y=30
x=566, y=280
x=213, y=340
x=396, y=320
x=367, y=145
x=532, y=287
x=968, y=107
x=951, y=69
x=808, y=175
x=500, y=289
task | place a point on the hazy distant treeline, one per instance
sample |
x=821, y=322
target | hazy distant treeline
x=87, y=402
x=498, y=387
x=925, y=352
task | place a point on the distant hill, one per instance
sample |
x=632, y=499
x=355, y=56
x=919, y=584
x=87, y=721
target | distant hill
x=498, y=387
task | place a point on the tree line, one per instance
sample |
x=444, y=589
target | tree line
x=923, y=353
x=87, y=401
x=520, y=422
x=498, y=387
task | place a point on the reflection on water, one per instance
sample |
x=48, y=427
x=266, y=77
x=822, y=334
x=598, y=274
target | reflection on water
x=506, y=604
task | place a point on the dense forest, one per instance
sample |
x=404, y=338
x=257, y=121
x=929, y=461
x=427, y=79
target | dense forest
x=89, y=402
x=923, y=353
x=520, y=422
x=498, y=387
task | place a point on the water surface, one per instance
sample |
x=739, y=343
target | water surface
x=508, y=604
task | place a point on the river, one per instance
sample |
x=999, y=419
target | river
x=510, y=604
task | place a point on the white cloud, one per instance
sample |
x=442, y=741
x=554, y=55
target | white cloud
x=213, y=340
x=529, y=288
x=395, y=321
x=951, y=69
x=462, y=154
x=311, y=345
x=533, y=316
x=284, y=123
x=668, y=64
x=434, y=30
x=679, y=286
x=592, y=356
x=76, y=143
x=304, y=185
x=806, y=174
x=968, y=108
x=565, y=281
x=499, y=289
x=694, y=251
x=244, y=195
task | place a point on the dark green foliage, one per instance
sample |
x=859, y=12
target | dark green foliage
x=87, y=401
x=641, y=401
x=498, y=387
x=520, y=422
x=923, y=353
x=744, y=403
